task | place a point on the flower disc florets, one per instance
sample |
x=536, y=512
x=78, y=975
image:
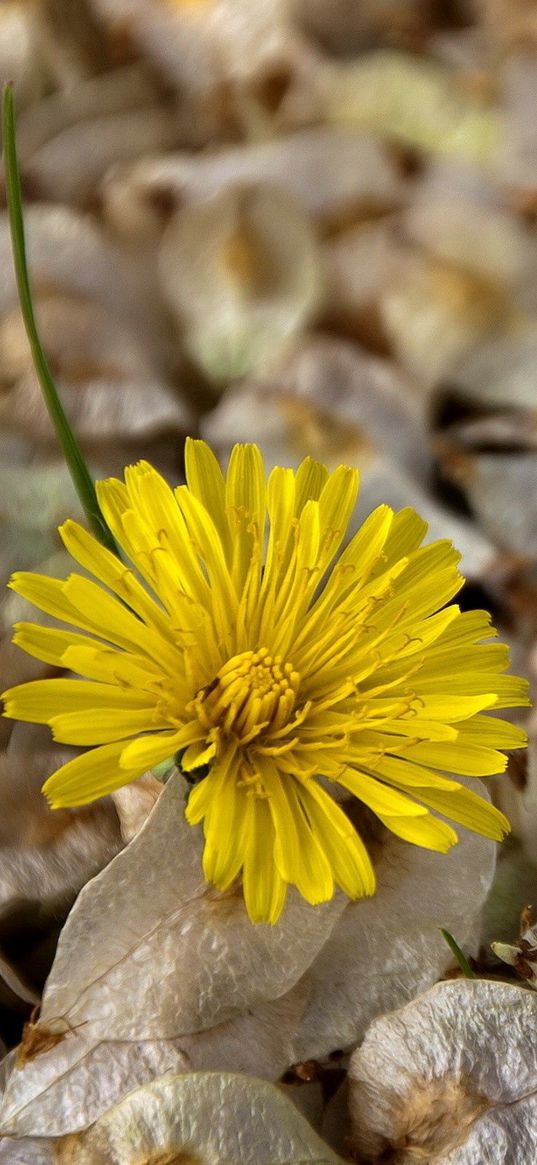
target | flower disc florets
x=225, y=638
x=251, y=698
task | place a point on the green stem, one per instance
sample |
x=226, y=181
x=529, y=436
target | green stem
x=72, y=452
x=460, y=957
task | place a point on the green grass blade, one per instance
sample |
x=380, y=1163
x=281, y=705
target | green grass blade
x=72, y=452
x=460, y=957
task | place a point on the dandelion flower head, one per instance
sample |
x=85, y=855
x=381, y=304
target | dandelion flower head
x=230, y=634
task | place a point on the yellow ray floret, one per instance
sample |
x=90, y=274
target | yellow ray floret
x=228, y=635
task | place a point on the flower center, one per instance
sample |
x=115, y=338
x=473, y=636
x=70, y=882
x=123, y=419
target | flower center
x=254, y=692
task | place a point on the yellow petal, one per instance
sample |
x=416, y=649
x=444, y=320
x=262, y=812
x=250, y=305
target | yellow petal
x=87, y=777
x=206, y=481
x=264, y=888
x=245, y=506
x=344, y=849
x=39, y=700
x=298, y=854
x=151, y=750
x=103, y=725
x=426, y=831
x=50, y=644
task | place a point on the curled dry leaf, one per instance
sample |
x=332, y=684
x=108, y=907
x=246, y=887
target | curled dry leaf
x=490, y=448
x=497, y=374
x=384, y=950
x=510, y=24
x=434, y=311
x=367, y=395
x=47, y=856
x=69, y=167
x=522, y=954
x=30, y=1151
x=491, y=480
x=167, y=955
x=372, y=421
x=451, y=1078
x=517, y=161
x=134, y=803
x=333, y=172
x=241, y=272
x=403, y=97
x=19, y=58
x=69, y=255
x=344, y=25
x=202, y=49
x=173, y=1120
x=45, y=859
x=480, y=238
x=115, y=91
x=69, y=1087
x=111, y=389
x=160, y=957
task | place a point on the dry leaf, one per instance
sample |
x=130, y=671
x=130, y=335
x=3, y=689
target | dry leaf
x=30, y=1151
x=241, y=273
x=401, y=96
x=331, y=400
x=110, y=387
x=332, y=172
x=47, y=856
x=386, y=949
x=174, y=1119
x=68, y=1088
x=451, y=1078
x=165, y=954
x=151, y=953
x=69, y=167
x=134, y=803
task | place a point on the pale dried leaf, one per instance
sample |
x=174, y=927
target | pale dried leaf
x=368, y=417
x=401, y=96
x=499, y=373
x=70, y=165
x=346, y=26
x=110, y=387
x=329, y=171
x=452, y=1078
x=434, y=312
x=256, y=1125
x=241, y=272
x=386, y=949
x=131, y=87
x=134, y=803
x=68, y=1088
x=171, y=951
x=492, y=481
x=48, y=855
x=69, y=254
x=18, y=45
x=517, y=160
x=259, y=1042
x=480, y=238
x=30, y=1151
x=361, y=398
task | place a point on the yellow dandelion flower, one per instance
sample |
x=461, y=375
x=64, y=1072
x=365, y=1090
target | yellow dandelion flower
x=225, y=637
